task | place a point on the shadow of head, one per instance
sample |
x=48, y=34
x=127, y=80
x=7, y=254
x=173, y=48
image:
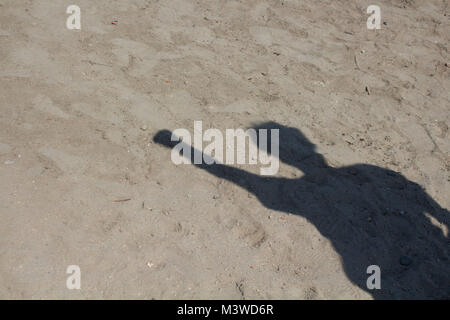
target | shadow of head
x=295, y=149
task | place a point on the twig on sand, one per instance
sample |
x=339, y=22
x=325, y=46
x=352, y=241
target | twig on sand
x=122, y=200
x=96, y=63
x=356, y=62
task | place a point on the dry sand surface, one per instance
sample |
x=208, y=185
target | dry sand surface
x=364, y=176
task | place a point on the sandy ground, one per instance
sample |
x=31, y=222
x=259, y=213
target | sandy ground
x=80, y=109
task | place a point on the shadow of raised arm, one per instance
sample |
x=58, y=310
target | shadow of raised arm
x=238, y=176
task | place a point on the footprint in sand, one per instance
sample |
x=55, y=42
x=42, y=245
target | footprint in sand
x=45, y=104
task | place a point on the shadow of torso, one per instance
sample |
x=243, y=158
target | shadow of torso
x=398, y=236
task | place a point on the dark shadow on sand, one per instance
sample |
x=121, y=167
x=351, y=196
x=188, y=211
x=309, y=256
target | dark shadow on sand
x=371, y=215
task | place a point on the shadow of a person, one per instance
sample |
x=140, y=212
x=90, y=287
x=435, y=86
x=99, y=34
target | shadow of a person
x=371, y=215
